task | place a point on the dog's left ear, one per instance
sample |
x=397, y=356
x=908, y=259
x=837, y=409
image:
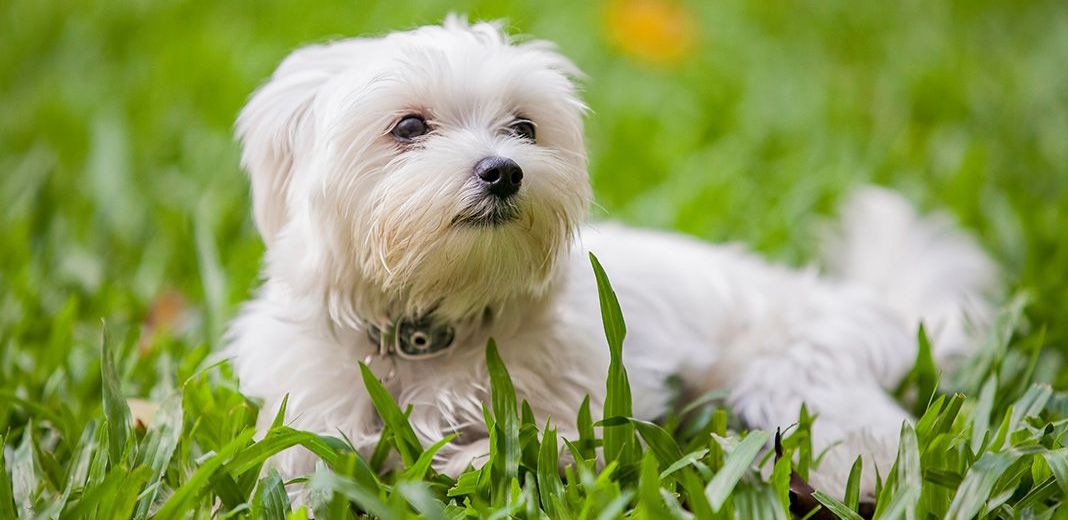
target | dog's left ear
x=276, y=125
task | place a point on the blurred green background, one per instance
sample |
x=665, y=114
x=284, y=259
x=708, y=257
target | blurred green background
x=121, y=198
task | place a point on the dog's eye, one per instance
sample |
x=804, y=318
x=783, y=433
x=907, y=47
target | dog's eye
x=409, y=128
x=523, y=129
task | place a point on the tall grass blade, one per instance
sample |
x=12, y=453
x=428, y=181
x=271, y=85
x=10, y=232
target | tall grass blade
x=505, y=413
x=116, y=410
x=619, y=441
x=551, y=489
x=852, y=491
x=406, y=442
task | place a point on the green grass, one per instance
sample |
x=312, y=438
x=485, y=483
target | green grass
x=121, y=185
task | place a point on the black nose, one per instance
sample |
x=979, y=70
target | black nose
x=501, y=176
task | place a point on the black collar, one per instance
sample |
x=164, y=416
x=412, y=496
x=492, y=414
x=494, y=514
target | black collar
x=412, y=338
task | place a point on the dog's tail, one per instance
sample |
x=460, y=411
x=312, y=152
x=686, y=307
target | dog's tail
x=925, y=267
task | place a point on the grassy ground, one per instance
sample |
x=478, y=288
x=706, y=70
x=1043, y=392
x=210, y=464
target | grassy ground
x=121, y=203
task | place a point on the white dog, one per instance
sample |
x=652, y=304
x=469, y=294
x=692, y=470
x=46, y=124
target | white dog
x=425, y=191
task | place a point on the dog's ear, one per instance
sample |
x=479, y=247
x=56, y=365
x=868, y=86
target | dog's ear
x=276, y=125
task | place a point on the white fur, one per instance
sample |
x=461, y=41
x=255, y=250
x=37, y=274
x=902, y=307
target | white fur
x=359, y=230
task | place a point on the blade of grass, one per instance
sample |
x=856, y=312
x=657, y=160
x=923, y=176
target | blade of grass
x=852, y=492
x=551, y=489
x=978, y=483
x=1032, y=403
x=615, y=508
x=420, y=498
x=615, y=329
x=735, y=465
x=780, y=480
x=26, y=473
x=225, y=488
x=587, y=441
x=650, y=503
x=270, y=502
x=529, y=445
x=618, y=397
x=7, y=497
x=909, y=472
x=178, y=503
x=659, y=441
x=900, y=505
x=116, y=409
x=758, y=501
x=505, y=413
x=1058, y=465
x=94, y=501
x=682, y=462
x=122, y=503
x=949, y=413
x=418, y=470
x=157, y=449
x=212, y=275
x=276, y=441
x=924, y=374
x=79, y=467
x=324, y=480
x=407, y=443
x=280, y=416
x=981, y=414
x=695, y=494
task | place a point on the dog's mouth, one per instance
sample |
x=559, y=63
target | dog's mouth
x=488, y=213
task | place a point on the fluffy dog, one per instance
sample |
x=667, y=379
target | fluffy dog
x=425, y=191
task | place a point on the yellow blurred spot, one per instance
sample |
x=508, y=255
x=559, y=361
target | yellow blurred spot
x=168, y=312
x=655, y=31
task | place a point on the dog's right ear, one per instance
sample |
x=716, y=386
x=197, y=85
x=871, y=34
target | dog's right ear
x=276, y=127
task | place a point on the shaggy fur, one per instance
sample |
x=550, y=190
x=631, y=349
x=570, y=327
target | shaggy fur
x=361, y=230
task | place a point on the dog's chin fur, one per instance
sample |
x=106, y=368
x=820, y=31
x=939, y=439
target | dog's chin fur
x=363, y=230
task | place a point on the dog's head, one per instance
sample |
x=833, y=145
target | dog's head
x=440, y=168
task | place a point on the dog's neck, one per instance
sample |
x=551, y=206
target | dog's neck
x=397, y=322
x=354, y=305
x=369, y=316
